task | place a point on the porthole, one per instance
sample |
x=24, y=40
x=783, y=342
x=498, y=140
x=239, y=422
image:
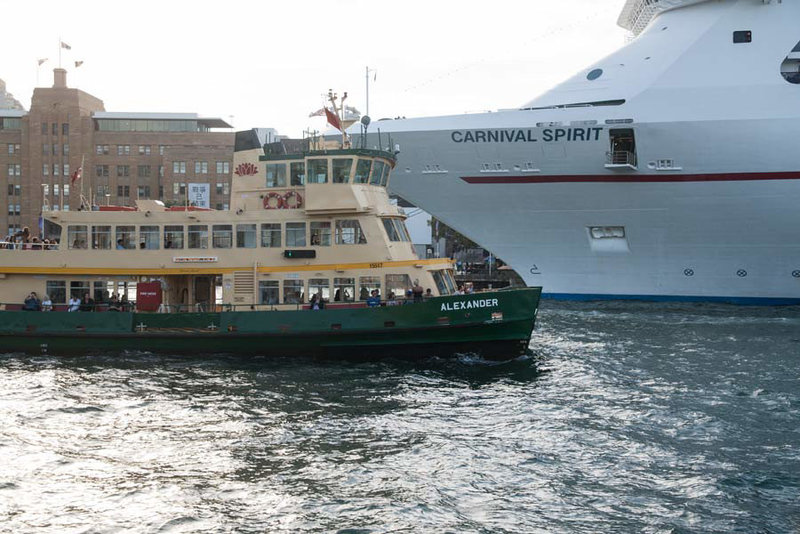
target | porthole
x=594, y=74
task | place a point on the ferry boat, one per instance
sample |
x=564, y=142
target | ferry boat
x=311, y=259
x=666, y=171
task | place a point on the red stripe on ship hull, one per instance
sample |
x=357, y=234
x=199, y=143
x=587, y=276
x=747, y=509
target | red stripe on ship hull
x=631, y=178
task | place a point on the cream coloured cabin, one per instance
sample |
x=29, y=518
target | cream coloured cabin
x=313, y=223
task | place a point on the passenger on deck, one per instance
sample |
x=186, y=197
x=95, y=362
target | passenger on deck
x=74, y=304
x=392, y=300
x=32, y=303
x=47, y=304
x=417, y=291
x=87, y=304
x=428, y=293
x=374, y=300
x=120, y=244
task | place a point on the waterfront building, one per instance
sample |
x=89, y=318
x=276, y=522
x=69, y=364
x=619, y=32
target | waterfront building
x=122, y=157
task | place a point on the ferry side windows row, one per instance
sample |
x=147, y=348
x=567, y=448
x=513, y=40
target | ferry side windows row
x=323, y=171
x=196, y=236
x=349, y=289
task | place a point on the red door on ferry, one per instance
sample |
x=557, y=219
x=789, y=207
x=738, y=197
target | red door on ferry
x=148, y=296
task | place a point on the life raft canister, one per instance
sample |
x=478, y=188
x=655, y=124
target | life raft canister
x=273, y=201
x=292, y=200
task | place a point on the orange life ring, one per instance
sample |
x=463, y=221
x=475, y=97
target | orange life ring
x=296, y=203
x=278, y=201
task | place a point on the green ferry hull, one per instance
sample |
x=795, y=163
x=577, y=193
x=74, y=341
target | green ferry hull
x=493, y=324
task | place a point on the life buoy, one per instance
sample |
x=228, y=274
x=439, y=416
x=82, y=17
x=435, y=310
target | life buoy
x=292, y=200
x=273, y=201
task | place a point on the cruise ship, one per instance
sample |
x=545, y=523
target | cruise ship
x=667, y=171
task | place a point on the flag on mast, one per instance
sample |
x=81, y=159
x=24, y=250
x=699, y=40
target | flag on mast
x=75, y=176
x=40, y=61
x=78, y=64
x=319, y=113
x=333, y=120
x=65, y=45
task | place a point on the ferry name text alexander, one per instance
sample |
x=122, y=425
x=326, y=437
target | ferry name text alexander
x=549, y=135
x=469, y=304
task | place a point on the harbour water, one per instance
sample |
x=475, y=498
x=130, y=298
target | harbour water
x=629, y=417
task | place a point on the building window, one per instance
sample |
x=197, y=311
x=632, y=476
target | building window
x=123, y=170
x=179, y=188
x=219, y=188
x=101, y=150
x=45, y=169
x=271, y=235
x=178, y=167
x=123, y=191
x=144, y=150
x=296, y=234
x=201, y=167
x=65, y=149
x=101, y=170
x=55, y=128
x=56, y=169
x=45, y=149
x=44, y=128
x=143, y=171
x=161, y=149
x=123, y=150
x=143, y=191
x=223, y=167
x=65, y=129
x=160, y=171
x=55, y=149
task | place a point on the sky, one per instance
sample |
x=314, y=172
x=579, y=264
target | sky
x=270, y=63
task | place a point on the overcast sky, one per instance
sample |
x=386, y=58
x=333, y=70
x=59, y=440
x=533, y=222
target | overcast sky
x=269, y=63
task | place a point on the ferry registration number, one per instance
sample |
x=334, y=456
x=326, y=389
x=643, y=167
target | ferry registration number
x=375, y=265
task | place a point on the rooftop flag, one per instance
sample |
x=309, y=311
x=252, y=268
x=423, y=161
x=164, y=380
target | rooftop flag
x=40, y=61
x=76, y=175
x=319, y=113
x=65, y=45
x=78, y=64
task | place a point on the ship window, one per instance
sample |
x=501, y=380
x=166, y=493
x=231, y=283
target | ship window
x=396, y=230
x=77, y=236
x=344, y=289
x=377, y=172
x=295, y=234
x=198, y=236
x=271, y=235
x=341, y=173
x=385, y=177
x=320, y=234
x=57, y=291
x=594, y=74
x=99, y=293
x=101, y=237
x=126, y=237
x=173, y=237
x=321, y=286
x=398, y=284
x=297, y=173
x=607, y=232
x=742, y=36
x=367, y=284
x=276, y=174
x=222, y=235
x=78, y=289
x=790, y=68
x=269, y=291
x=318, y=171
x=362, y=171
x=148, y=237
x=246, y=235
x=292, y=291
x=348, y=232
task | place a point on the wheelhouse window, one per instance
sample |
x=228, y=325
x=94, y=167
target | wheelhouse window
x=396, y=230
x=320, y=234
x=295, y=234
x=362, y=171
x=318, y=171
x=101, y=237
x=173, y=236
x=321, y=286
x=198, y=236
x=348, y=232
x=445, y=282
x=297, y=173
x=292, y=291
x=148, y=237
x=77, y=236
x=271, y=235
x=341, y=170
x=276, y=174
x=246, y=236
x=366, y=284
x=126, y=237
x=377, y=173
x=268, y=291
x=344, y=289
x=222, y=235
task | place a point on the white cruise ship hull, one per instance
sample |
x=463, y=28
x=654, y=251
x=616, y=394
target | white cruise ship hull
x=703, y=205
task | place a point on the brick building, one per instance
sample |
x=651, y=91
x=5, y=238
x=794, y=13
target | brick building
x=123, y=156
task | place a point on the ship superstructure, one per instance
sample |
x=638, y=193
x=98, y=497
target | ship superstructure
x=665, y=171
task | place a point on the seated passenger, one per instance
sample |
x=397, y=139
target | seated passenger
x=74, y=304
x=374, y=300
x=392, y=300
x=47, y=304
x=87, y=304
x=32, y=303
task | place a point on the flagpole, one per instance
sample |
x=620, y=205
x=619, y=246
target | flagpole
x=59, y=56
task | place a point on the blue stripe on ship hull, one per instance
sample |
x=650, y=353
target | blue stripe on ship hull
x=742, y=301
